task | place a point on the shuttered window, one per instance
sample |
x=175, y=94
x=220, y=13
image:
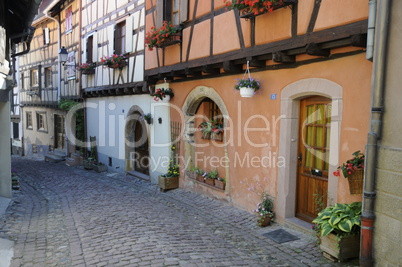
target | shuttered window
x=120, y=38
x=175, y=11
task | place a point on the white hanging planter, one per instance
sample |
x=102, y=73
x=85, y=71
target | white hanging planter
x=246, y=92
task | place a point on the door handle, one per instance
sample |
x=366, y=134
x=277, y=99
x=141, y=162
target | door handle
x=300, y=157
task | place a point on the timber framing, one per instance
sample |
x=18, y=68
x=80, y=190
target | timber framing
x=135, y=88
x=284, y=52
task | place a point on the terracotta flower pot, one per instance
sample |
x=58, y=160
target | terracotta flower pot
x=264, y=221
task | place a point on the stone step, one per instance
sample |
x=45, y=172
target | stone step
x=59, y=153
x=53, y=158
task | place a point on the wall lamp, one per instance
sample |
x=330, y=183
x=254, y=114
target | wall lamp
x=63, y=54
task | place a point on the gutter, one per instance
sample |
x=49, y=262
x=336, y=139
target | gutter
x=377, y=109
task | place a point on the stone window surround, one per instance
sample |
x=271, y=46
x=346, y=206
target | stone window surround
x=289, y=133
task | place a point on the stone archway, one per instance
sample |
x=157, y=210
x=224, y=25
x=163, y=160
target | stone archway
x=136, y=143
x=193, y=100
x=288, y=143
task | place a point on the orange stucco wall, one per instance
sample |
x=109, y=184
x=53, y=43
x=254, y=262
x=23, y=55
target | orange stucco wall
x=351, y=73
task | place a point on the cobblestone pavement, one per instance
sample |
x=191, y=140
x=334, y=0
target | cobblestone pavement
x=68, y=216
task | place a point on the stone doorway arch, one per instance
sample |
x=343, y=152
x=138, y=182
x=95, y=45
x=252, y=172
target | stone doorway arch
x=190, y=106
x=137, y=144
x=288, y=142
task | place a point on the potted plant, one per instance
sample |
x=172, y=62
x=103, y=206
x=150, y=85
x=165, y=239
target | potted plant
x=169, y=180
x=88, y=162
x=200, y=175
x=163, y=36
x=87, y=68
x=353, y=170
x=211, y=177
x=163, y=94
x=211, y=127
x=265, y=210
x=339, y=230
x=114, y=61
x=99, y=167
x=220, y=183
x=247, y=86
x=254, y=8
x=147, y=117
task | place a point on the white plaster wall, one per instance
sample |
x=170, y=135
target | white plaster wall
x=106, y=119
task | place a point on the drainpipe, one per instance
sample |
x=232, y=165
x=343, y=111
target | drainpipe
x=371, y=29
x=377, y=107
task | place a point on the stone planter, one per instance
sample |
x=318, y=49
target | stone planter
x=166, y=183
x=347, y=247
x=99, y=167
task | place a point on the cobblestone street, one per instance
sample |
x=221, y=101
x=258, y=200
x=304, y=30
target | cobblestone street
x=68, y=216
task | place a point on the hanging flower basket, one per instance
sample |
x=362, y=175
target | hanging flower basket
x=247, y=85
x=163, y=95
x=356, y=182
x=246, y=92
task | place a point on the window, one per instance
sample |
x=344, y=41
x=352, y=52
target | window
x=48, y=77
x=29, y=120
x=35, y=78
x=175, y=11
x=69, y=19
x=90, y=49
x=41, y=121
x=46, y=36
x=120, y=38
x=22, y=81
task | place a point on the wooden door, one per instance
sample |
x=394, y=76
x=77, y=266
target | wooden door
x=59, y=131
x=313, y=155
x=141, y=162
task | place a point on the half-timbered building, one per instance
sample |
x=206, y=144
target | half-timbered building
x=44, y=80
x=311, y=113
x=116, y=95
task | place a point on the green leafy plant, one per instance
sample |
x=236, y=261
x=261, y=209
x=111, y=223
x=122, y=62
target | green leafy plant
x=157, y=37
x=212, y=174
x=266, y=207
x=340, y=219
x=67, y=104
x=173, y=170
x=351, y=165
x=210, y=126
x=249, y=83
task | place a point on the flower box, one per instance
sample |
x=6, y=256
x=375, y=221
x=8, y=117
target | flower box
x=200, y=178
x=220, y=184
x=172, y=40
x=341, y=248
x=99, y=167
x=118, y=65
x=88, y=72
x=166, y=183
x=191, y=174
x=247, y=14
x=210, y=181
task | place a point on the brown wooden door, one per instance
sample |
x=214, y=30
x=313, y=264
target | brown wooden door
x=59, y=131
x=141, y=162
x=313, y=155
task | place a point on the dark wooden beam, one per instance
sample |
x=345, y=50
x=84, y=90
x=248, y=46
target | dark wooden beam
x=210, y=69
x=255, y=62
x=359, y=40
x=193, y=72
x=314, y=49
x=231, y=67
x=282, y=57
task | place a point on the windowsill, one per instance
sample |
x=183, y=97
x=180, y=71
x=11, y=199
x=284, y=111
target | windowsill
x=29, y=128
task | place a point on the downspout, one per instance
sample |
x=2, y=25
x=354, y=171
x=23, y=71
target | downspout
x=377, y=108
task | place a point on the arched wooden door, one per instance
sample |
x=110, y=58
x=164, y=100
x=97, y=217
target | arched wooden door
x=313, y=156
x=141, y=149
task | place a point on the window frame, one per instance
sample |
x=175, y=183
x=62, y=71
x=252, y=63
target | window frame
x=165, y=7
x=69, y=19
x=120, y=38
x=41, y=123
x=48, y=77
x=29, y=124
x=90, y=49
x=34, y=78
